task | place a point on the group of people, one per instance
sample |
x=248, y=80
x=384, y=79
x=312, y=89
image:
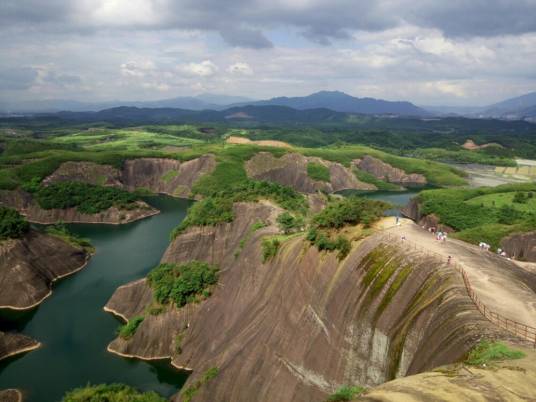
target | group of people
x=484, y=246
x=440, y=236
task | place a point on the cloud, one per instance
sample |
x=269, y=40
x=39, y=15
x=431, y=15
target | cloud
x=204, y=69
x=18, y=78
x=240, y=69
x=138, y=68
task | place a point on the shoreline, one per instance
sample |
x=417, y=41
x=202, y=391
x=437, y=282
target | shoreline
x=153, y=213
x=23, y=350
x=148, y=359
x=50, y=291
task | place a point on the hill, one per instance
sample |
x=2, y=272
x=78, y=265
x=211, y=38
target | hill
x=341, y=102
x=514, y=108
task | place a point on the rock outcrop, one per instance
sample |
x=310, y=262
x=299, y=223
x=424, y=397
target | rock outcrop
x=166, y=176
x=10, y=395
x=386, y=172
x=291, y=170
x=12, y=344
x=511, y=380
x=304, y=323
x=158, y=175
x=29, y=266
x=521, y=246
x=27, y=206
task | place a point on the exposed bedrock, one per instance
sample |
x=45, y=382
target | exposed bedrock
x=27, y=206
x=413, y=211
x=159, y=175
x=12, y=344
x=521, y=246
x=10, y=395
x=303, y=324
x=291, y=170
x=384, y=171
x=29, y=266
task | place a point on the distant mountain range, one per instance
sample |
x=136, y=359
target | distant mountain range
x=519, y=108
x=333, y=100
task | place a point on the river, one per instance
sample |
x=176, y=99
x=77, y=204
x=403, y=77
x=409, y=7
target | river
x=72, y=325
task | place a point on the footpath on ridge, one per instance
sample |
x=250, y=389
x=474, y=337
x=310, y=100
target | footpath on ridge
x=500, y=284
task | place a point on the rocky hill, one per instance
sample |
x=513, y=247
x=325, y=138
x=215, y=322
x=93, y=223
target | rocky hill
x=304, y=323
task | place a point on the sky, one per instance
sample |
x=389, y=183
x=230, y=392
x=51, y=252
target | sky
x=430, y=52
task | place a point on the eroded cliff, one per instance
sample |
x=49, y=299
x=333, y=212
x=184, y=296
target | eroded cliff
x=29, y=266
x=291, y=170
x=299, y=326
x=384, y=171
x=12, y=344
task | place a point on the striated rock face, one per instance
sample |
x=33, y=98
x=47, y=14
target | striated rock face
x=386, y=172
x=10, y=395
x=291, y=170
x=303, y=324
x=12, y=344
x=521, y=246
x=166, y=176
x=506, y=381
x=87, y=172
x=24, y=203
x=28, y=266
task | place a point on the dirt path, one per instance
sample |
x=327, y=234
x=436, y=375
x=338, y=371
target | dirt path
x=502, y=285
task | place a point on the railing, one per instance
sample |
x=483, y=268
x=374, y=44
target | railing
x=519, y=329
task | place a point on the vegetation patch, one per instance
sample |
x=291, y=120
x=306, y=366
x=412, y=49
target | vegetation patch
x=86, y=198
x=371, y=179
x=270, y=246
x=486, y=353
x=61, y=231
x=318, y=172
x=322, y=241
x=170, y=175
x=350, y=211
x=12, y=224
x=111, y=393
x=346, y=393
x=188, y=394
x=289, y=223
x=182, y=284
x=128, y=330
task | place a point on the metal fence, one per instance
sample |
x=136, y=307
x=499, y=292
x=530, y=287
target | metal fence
x=517, y=328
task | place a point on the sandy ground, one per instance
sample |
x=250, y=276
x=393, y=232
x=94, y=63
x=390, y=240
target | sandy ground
x=494, y=278
x=267, y=143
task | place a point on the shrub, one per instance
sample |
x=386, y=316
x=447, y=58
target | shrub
x=269, y=248
x=87, y=198
x=61, y=231
x=520, y=198
x=487, y=352
x=129, y=329
x=319, y=172
x=290, y=223
x=181, y=284
x=110, y=393
x=351, y=210
x=12, y=224
x=207, y=212
x=190, y=392
x=345, y=393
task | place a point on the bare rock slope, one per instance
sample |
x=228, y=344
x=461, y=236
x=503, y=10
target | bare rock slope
x=521, y=246
x=301, y=325
x=384, y=171
x=291, y=170
x=12, y=344
x=10, y=395
x=29, y=266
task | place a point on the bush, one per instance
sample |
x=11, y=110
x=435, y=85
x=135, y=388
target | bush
x=520, y=198
x=129, y=329
x=351, y=210
x=319, y=172
x=345, y=393
x=207, y=212
x=182, y=284
x=111, y=393
x=290, y=223
x=269, y=248
x=87, y=198
x=487, y=352
x=12, y=224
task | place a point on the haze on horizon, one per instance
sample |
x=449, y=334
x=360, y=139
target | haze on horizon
x=439, y=53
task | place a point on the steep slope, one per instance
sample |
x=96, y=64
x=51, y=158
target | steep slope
x=29, y=266
x=304, y=323
x=12, y=344
x=291, y=170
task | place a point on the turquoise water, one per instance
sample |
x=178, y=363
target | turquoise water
x=397, y=198
x=72, y=325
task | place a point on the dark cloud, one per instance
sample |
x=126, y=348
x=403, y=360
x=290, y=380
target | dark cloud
x=245, y=38
x=17, y=78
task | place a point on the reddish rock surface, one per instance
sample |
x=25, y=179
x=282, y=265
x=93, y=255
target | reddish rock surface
x=386, y=172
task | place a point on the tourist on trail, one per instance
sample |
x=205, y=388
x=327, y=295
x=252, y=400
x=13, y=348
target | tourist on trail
x=448, y=260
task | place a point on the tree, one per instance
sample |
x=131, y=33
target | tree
x=289, y=223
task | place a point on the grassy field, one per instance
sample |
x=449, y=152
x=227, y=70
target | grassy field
x=500, y=200
x=123, y=140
